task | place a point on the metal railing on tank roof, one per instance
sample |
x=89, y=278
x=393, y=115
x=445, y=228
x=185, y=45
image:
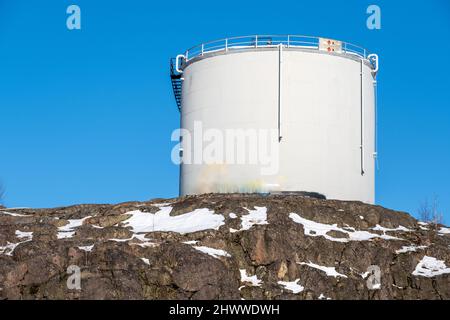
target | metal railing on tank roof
x=267, y=41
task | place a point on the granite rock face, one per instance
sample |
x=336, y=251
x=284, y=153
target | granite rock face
x=217, y=246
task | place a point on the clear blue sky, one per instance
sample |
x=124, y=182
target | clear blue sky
x=86, y=116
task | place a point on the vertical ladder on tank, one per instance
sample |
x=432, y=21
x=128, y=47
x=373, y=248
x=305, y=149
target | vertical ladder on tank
x=177, y=83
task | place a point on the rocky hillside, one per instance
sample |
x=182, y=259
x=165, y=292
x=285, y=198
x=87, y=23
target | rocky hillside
x=222, y=247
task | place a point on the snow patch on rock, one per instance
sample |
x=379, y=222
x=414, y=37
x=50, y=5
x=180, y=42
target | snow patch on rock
x=162, y=204
x=13, y=214
x=292, y=286
x=190, y=242
x=73, y=223
x=9, y=248
x=216, y=253
x=254, y=217
x=399, y=228
x=315, y=229
x=24, y=235
x=253, y=280
x=141, y=237
x=86, y=248
x=330, y=271
x=197, y=220
x=412, y=248
x=67, y=231
x=65, y=234
x=430, y=267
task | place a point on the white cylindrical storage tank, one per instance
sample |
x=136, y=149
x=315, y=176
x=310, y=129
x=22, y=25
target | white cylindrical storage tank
x=278, y=114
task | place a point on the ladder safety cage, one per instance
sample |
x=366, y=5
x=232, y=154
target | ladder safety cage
x=177, y=82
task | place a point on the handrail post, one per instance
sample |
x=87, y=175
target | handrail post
x=203, y=46
x=226, y=44
x=256, y=41
x=288, y=41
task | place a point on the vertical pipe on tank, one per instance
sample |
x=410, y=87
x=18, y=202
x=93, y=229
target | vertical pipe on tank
x=180, y=139
x=180, y=166
x=376, y=121
x=362, y=117
x=280, y=61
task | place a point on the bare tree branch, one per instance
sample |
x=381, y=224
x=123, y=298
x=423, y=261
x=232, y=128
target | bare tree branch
x=2, y=193
x=430, y=212
x=424, y=211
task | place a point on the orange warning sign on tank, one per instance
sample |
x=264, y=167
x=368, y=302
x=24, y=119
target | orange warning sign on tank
x=330, y=45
